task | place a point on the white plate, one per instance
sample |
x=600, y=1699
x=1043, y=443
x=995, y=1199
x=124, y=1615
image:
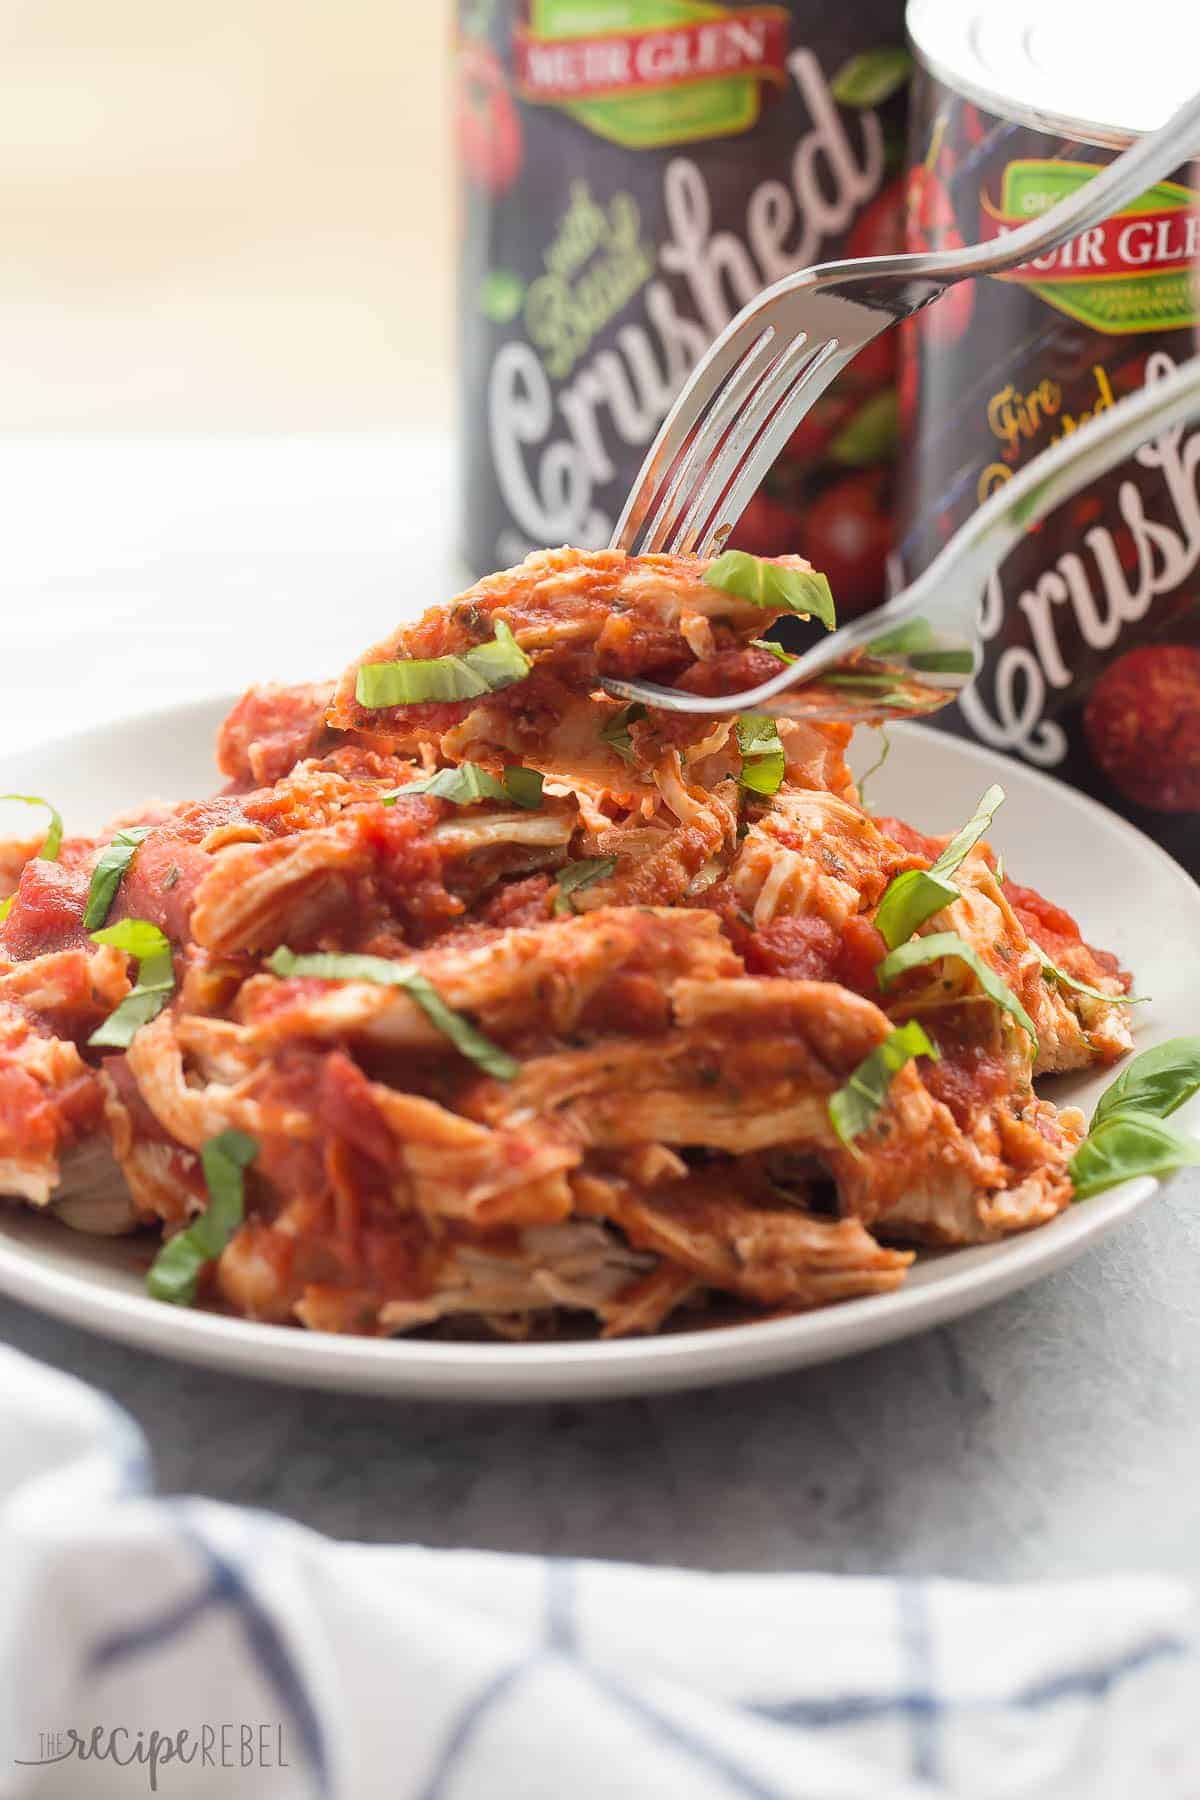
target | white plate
x=1128, y=895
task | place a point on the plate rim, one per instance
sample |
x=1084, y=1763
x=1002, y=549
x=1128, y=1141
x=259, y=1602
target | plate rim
x=489, y=1372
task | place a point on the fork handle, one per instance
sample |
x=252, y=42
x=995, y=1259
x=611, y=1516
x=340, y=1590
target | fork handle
x=985, y=539
x=1113, y=186
x=947, y=592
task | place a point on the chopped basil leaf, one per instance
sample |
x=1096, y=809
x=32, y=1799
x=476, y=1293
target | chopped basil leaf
x=864, y=679
x=501, y=662
x=948, y=943
x=884, y=753
x=465, y=786
x=150, y=993
x=1158, y=1081
x=616, y=733
x=1125, y=1144
x=776, y=650
x=889, y=687
x=524, y=786
x=765, y=583
x=332, y=966
x=942, y=662
x=872, y=76
x=917, y=634
x=580, y=875
x=51, y=845
x=171, y=878
x=909, y=899
x=54, y=834
x=137, y=937
x=762, y=753
x=854, y=1107
x=915, y=895
x=107, y=874
x=174, y=1271
x=1056, y=976
x=964, y=841
x=483, y=670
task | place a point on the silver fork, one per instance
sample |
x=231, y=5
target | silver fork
x=747, y=394
x=918, y=651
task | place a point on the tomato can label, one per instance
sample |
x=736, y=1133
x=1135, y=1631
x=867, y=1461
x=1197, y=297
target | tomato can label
x=1092, y=626
x=633, y=172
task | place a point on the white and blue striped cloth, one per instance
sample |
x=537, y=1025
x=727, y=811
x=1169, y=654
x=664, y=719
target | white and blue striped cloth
x=299, y=1667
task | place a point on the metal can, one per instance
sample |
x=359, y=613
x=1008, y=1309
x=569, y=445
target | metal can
x=633, y=171
x=1092, y=627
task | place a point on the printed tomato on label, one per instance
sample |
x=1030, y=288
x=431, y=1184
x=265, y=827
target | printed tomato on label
x=489, y=130
x=1142, y=723
x=1091, y=666
x=636, y=171
x=847, y=535
x=767, y=527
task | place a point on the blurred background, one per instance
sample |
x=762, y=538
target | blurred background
x=232, y=217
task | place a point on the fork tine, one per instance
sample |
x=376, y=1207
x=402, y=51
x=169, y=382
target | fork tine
x=742, y=344
x=764, y=435
x=781, y=383
x=711, y=427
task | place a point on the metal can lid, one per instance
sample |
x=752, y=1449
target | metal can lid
x=1083, y=69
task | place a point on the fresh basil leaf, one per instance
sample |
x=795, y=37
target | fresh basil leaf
x=941, y=944
x=150, y=993
x=154, y=985
x=763, y=760
x=765, y=583
x=1060, y=977
x=855, y=1106
x=964, y=841
x=524, y=786
x=174, y=1272
x=578, y=875
x=616, y=733
x=909, y=899
x=870, y=435
x=1158, y=1081
x=884, y=752
x=137, y=937
x=776, y=650
x=903, y=640
x=108, y=872
x=868, y=683
x=483, y=670
x=942, y=662
x=916, y=894
x=872, y=76
x=465, y=785
x=467, y=1039
x=54, y=833
x=1125, y=1144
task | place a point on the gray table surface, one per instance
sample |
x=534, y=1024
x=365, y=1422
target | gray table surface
x=1053, y=1433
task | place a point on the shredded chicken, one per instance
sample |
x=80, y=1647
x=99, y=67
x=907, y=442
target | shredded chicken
x=517, y=1058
